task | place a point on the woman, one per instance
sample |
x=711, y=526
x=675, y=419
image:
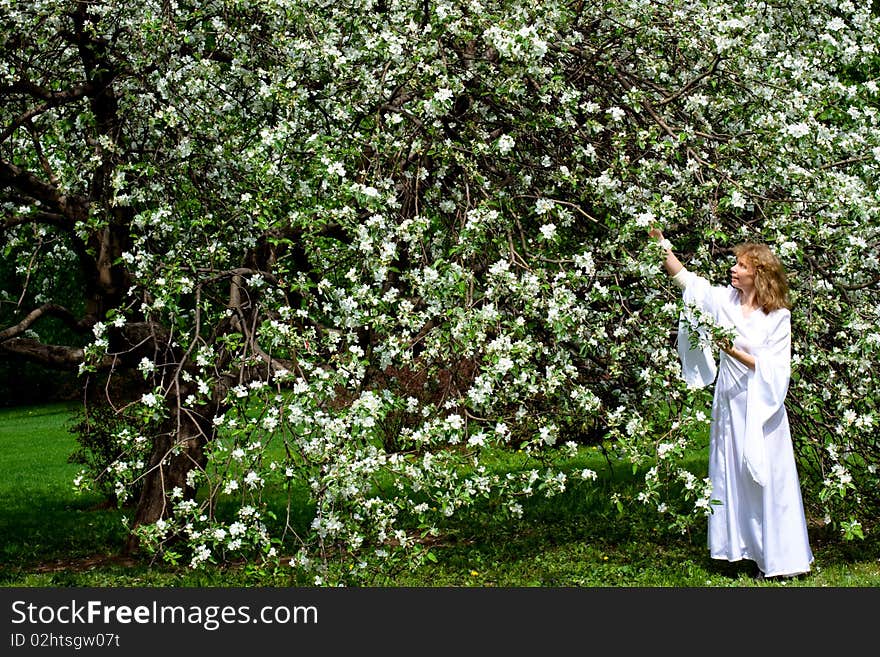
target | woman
x=752, y=469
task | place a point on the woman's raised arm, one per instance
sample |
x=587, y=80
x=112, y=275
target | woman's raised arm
x=671, y=263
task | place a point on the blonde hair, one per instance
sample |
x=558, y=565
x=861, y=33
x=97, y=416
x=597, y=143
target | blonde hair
x=771, y=281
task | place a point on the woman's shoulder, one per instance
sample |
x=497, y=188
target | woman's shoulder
x=779, y=314
x=778, y=320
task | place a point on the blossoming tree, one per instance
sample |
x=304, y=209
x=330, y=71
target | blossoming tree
x=346, y=251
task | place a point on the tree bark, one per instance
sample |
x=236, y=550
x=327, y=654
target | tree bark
x=172, y=458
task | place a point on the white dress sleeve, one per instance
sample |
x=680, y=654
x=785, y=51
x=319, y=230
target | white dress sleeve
x=698, y=366
x=767, y=387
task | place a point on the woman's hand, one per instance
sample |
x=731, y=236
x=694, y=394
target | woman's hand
x=739, y=352
x=670, y=262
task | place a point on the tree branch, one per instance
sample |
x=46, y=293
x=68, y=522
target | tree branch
x=47, y=354
x=50, y=218
x=29, y=184
x=49, y=309
x=51, y=99
x=713, y=67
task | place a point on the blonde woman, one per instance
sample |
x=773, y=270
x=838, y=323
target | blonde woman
x=752, y=468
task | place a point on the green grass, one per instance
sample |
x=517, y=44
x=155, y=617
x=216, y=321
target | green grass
x=41, y=517
x=55, y=537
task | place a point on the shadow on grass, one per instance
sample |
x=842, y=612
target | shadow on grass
x=51, y=530
x=575, y=538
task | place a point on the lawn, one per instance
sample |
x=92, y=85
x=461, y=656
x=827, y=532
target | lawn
x=56, y=537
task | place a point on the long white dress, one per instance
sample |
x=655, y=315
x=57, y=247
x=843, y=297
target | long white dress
x=751, y=460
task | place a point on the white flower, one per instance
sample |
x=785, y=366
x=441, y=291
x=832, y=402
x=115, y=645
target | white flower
x=543, y=206
x=664, y=448
x=645, y=219
x=443, y=95
x=858, y=241
x=337, y=168
x=585, y=262
x=504, y=365
x=548, y=231
x=149, y=399
x=788, y=248
x=737, y=200
x=798, y=130
x=505, y=144
x=547, y=435
x=203, y=553
x=477, y=440
x=616, y=114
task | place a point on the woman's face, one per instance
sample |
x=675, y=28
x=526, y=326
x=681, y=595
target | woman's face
x=742, y=274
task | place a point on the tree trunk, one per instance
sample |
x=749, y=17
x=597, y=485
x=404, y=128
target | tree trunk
x=167, y=470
